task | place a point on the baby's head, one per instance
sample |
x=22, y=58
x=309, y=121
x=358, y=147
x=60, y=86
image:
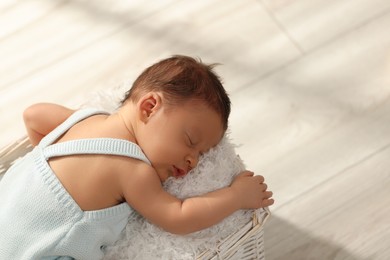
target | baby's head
x=181, y=79
x=182, y=110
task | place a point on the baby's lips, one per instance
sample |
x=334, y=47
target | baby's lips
x=178, y=172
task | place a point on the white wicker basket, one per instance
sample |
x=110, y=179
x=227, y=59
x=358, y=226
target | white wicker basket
x=245, y=244
x=10, y=153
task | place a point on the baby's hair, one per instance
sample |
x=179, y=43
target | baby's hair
x=182, y=78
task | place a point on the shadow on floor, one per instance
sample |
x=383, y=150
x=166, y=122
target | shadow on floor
x=283, y=241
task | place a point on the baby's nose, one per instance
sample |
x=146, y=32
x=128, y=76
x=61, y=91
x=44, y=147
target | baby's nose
x=189, y=168
x=192, y=161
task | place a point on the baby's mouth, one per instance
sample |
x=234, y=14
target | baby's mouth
x=177, y=172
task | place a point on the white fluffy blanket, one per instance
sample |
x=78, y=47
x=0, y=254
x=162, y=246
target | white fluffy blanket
x=216, y=169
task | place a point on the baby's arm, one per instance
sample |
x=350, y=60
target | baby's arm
x=40, y=119
x=146, y=195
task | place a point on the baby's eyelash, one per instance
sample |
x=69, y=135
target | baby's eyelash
x=189, y=140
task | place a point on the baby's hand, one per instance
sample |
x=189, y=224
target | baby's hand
x=251, y=191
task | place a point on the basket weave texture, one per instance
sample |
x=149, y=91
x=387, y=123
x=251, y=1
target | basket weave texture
x=245, y=244
x=10, y=153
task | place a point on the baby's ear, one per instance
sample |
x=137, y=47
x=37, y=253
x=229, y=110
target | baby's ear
x=149, y=104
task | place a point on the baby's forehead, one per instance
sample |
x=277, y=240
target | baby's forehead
x=207, y=125
x=201, y=114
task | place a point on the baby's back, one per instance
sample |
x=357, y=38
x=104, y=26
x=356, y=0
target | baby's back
x=93, y=180
x=59, y=201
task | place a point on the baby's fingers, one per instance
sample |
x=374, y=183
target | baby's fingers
x=259, y=178
x=267, y=200
x=268, y=194
x=246, y=174
x=263, y=187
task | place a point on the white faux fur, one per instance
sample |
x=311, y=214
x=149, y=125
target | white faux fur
x=216, y=169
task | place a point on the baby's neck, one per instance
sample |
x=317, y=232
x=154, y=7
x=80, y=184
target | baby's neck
x=126, y=118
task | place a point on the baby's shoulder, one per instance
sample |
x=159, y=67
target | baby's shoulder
x=129, y=168
x=135, y=171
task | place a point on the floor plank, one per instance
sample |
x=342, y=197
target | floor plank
x=15, y=16
x=121, y=53
x=24, y=51
x=314, y=23
x=353, y=220
x=301, y=103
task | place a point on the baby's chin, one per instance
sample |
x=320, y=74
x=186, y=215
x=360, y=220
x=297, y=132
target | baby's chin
x=164, y=174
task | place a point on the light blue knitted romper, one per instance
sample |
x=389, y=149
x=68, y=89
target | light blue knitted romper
x=38, y=217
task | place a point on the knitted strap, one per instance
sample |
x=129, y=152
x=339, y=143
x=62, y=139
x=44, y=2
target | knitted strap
x=107, y=146
x=68, y=123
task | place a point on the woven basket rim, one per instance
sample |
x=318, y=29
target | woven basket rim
x=253, y=227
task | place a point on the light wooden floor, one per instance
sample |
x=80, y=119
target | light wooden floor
x=309, y=81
